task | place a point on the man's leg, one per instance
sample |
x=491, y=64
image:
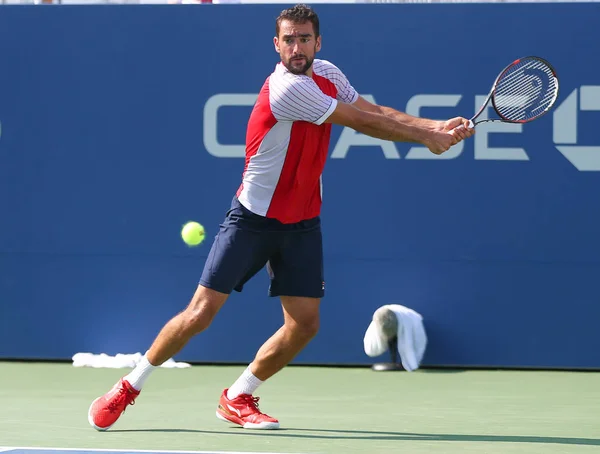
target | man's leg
x=177, y=332
x=296, y=269
x=239, y=251
x=105, y=410
x=301, y=323
x=180, y=329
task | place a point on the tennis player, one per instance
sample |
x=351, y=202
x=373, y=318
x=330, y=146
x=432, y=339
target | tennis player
x=273, y=220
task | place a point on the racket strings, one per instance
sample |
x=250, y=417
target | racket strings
x=525, y=90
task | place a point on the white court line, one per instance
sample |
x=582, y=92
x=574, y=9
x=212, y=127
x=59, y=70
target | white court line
x=3, y=449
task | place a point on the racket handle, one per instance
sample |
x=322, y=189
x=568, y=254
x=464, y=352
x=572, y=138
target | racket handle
x=471, y=126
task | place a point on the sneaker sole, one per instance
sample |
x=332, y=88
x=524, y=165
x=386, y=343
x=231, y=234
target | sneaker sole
x=249, y=425
x=91, y=418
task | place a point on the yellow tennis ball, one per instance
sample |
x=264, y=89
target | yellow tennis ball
x=192, y=233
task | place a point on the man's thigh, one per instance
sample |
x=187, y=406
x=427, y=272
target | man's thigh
x=296, y=269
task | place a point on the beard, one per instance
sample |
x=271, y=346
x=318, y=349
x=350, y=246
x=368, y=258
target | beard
x=299, y=69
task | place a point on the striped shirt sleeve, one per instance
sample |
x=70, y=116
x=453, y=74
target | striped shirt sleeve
x=298, y=98
x=346, y=92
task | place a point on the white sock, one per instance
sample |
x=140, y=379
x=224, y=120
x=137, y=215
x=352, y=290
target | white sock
x=140, y=373
x=246, y=384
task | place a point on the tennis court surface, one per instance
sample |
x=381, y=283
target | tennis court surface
x=321, y=410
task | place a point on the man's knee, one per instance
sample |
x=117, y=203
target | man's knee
x=301, y=315
x=202, y=308
x=305, y=326
x=308, y=328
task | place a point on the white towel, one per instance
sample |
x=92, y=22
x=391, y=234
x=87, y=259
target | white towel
x=412, y=339
x=118, y=361
x=375, y=341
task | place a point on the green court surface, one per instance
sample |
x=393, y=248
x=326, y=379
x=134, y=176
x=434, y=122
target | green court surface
x=327, y=410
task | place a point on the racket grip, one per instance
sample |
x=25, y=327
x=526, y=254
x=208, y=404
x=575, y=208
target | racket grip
x=471, y=126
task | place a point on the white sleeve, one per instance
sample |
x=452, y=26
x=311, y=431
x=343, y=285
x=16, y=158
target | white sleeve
x=299, y=98
x=345, y=91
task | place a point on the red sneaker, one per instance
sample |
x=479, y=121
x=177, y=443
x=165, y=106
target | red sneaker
x=105, y=410
x=243, y=410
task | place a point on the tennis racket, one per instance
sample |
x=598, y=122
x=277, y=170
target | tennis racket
x=524, y=91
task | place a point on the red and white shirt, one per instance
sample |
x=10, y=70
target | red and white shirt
x=287, y=141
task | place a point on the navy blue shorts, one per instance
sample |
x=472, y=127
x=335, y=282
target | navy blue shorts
x=247, y=242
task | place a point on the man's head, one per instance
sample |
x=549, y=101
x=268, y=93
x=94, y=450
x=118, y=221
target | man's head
x=297, y=38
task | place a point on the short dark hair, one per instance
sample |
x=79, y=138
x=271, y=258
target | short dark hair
x=299, y=14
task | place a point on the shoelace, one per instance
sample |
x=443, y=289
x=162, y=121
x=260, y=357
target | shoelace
x=251, y=401
x=121, y=401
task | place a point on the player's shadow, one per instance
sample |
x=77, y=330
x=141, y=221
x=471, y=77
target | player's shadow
x=379, y=435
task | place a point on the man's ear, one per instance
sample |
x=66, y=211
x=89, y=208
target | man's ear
x=276, y=44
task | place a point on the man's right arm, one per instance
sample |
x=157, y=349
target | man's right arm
x=388, y=128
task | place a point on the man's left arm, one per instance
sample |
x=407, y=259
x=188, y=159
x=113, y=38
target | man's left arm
x=434, y=125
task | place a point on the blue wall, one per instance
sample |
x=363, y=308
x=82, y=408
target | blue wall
x=106, y=150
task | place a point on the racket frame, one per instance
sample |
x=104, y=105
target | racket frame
x=495, y=84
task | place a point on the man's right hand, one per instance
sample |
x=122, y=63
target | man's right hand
x=439, y=142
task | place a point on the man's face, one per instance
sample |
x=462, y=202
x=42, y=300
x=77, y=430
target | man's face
x=297, y=45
